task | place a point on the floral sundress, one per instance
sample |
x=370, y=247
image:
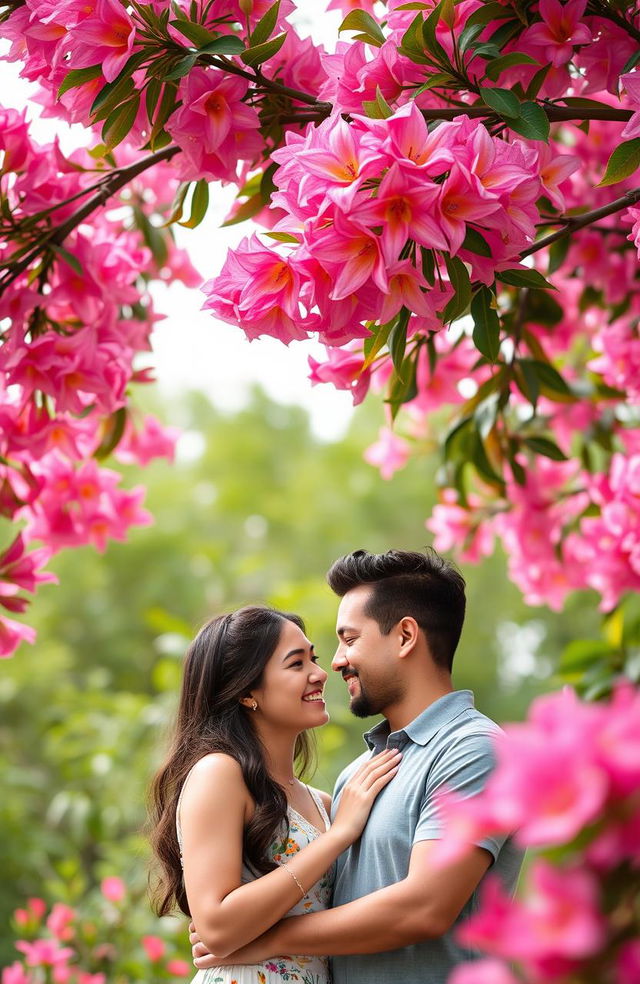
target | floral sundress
x=296, y=969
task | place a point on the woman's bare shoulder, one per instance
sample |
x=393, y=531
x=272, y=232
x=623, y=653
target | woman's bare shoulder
x=216, y=773
x=325, y=797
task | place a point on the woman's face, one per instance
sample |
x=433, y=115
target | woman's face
x=290, y=694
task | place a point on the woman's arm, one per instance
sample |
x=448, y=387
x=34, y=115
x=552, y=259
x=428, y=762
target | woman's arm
x=214, y=811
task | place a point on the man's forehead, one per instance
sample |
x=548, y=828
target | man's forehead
x=351, y=607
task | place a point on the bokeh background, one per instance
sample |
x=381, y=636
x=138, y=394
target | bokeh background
x=255, y=508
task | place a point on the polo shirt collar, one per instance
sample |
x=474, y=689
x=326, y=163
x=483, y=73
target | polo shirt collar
x=422, y=729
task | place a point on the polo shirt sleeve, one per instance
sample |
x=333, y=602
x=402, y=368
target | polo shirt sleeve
x=463, y=767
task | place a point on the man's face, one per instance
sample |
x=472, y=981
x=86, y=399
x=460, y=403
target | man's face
x=365, y=657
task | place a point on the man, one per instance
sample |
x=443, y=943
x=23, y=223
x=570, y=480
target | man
x=394, y=915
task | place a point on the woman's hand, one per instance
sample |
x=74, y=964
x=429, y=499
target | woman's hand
x=359, y=793
x=252, y=953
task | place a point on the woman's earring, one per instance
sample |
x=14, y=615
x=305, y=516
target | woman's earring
x=254, y=706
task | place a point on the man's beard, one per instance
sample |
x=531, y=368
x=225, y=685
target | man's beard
x=367, y=704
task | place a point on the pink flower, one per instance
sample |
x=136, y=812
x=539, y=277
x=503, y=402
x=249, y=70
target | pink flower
x=462, y=199
x=627, y=964
x=389, y=453
x=482, y=972
x=44, y=953
x=154, y=947
x=404, y=207
x=343, y=368
x=178, y=968
x=214, y=128
x=560, y=31
x=631, y=82
x=12, y=634
x=152, y=440
x=113, y=888
x=107, y=38
x=16, y=974
x=59, y=921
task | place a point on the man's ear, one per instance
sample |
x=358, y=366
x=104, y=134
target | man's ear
x=409, y=631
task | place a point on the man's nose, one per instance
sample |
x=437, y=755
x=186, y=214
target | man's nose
x=339, y=661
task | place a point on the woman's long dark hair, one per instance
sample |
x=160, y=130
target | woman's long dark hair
x=225, y=662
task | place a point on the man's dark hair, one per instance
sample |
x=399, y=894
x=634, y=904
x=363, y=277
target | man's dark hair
x=423, y=585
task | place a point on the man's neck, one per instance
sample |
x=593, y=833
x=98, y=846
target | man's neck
x=417, y=700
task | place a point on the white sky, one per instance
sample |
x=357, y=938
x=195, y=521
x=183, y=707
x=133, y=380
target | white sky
x=192, y=349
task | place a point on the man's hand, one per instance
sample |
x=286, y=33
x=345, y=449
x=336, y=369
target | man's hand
x=252, y=953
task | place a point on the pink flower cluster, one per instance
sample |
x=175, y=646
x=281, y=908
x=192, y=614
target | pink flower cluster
x=67, y=361
x=364, y=201
x=62, y=948
x=565, y=779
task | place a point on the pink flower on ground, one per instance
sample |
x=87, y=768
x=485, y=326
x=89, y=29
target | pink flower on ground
x=154, y=947
x=113, y=888
x=389, y=453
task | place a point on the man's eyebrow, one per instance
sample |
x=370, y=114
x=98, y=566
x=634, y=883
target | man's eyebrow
x=342, y=631
x=298, y=652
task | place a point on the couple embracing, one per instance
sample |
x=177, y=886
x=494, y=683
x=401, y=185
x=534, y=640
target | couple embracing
x=273, y=887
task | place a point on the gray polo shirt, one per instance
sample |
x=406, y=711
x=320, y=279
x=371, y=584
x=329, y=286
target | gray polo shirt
x=449, y=744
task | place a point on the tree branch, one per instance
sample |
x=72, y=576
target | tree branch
x=555, y=114
x=112, y=183
x=575, y=222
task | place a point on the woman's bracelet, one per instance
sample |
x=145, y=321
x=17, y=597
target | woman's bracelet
x=302, y=891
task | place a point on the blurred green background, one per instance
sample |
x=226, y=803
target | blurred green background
x=255, y=509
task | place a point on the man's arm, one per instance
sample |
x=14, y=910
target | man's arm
x=423, y=905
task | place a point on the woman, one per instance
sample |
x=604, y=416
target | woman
x=242, y=842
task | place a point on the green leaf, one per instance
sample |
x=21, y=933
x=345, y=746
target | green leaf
x=488, y=12
x=543, y=446
x=262, y=52
x=429, y=36
x=360, y=20
x=486, y=324
x=402, y=386
x=476, y=243
x=67, y=257
x=378, y=109
x=398, y=339
x=624, y=161
x=524, y=278
x=119, y=123
x=375, y=342
x=182, y=66
x=113, y=430
x=537, y=82
x=580, y=654
x=195, y=33
x=550, y=380
x=253, y=205
x=482, y=464
x=265, y=26
x=631, y=63
x=121, y=85
x=502, y=101
x=459, y=278
x=495, y=68
x=283, y=237
x=226, y=45
x=78, y=76
x=558, y=254
x=533, y=122
x=267, y=185
x=178, y=202
x=527, y=381
x=542, y=308
x=199, y=204
x=468, y=36
x=412, y=44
